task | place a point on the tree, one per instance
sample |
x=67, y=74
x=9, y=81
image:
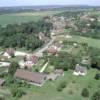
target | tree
x=97, y=76
x=85, y=92
x=17, y=91
x=2, y=97
x=96, y=95
x=61, y=86
x=12, y=69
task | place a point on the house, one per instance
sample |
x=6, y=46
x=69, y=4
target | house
x=52, y=50
x=29, y=61
x=43, y=37
x=2, y=82
x=58, y=45
x=34, y=78
x=59, y=72
x=80, y=70
x=9, y=52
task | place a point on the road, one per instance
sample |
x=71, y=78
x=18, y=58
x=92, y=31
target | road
x=39, y=51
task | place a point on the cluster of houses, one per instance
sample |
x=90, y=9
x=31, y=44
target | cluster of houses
x=59, y=24
x=38, y=78
x=26, y=64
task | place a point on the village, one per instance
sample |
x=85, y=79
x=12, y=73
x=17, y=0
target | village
x=32, y=66
x=59, y=55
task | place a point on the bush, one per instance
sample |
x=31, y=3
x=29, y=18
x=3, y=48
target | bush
x=61, y=86
x=2, y=97
x=36, y=70
x=65, y=69
x=85, y=92
x=96, y=95
x=17, y=91
x=97, y=76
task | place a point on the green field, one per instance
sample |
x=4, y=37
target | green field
x=74, y=84
x=24, y=17
x=80, y=39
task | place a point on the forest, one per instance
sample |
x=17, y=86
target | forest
x=24, y=35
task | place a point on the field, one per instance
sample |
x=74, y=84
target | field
x=71, y=92
x=24, y=17
x=80, y=39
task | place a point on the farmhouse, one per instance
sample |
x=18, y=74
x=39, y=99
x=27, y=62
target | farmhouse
x=2, y=82
x=29, y=61
x=80, y=70
x=9, y=52
x=34, y=78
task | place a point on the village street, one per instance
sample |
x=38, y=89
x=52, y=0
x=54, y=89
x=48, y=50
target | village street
x=39, y=51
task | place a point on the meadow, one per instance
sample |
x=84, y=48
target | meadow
x=24, y=17
x=72, y=91
x=80, y=39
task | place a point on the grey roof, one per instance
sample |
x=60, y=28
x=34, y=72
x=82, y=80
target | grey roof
x=59, y=71
x=80, y=68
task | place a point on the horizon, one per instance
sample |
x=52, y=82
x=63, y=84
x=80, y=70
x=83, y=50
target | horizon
x=11, y=3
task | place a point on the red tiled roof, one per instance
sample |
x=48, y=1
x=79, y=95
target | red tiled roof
x=32, y=58
x=52, y=50
x=34, y=77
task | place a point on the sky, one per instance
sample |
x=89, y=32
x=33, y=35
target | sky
x=48, y=2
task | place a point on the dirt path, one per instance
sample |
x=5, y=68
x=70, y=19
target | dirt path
x=44, y=67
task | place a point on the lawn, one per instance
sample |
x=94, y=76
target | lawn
x=80, y=39
x=24, y=17
x=73, y=50
x=71, y=92
x=39, y=65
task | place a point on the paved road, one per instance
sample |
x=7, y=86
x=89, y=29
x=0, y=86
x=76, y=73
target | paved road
x=39, y=51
